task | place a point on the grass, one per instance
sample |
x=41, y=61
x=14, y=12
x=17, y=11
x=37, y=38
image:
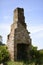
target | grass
x=14, y=63
x=18, y=63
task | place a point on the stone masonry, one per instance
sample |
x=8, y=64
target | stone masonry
x=19, y=38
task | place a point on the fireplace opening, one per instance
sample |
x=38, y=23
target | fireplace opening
x=22, y=51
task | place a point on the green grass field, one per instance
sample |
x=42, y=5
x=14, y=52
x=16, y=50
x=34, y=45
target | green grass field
x=18, y=63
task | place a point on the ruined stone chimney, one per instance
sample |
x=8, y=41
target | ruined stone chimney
x=19, y=41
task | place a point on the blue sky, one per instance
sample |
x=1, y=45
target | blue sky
x=33, y=11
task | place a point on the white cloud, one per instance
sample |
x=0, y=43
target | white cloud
x=4, y=31
x=37, y=35
x=35, y=29
x=4, y=26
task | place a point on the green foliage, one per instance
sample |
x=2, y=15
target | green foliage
x=0, y=43
x=37, y=56
x=41, y=56
x=4, y=54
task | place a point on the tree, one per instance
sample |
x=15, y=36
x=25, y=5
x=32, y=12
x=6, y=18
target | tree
x=4, y=54
x=40, y=57
x=34, y=54
x=0, y=43
x=37, y=56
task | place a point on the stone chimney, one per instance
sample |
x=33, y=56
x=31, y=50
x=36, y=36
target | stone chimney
x=19, y=41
